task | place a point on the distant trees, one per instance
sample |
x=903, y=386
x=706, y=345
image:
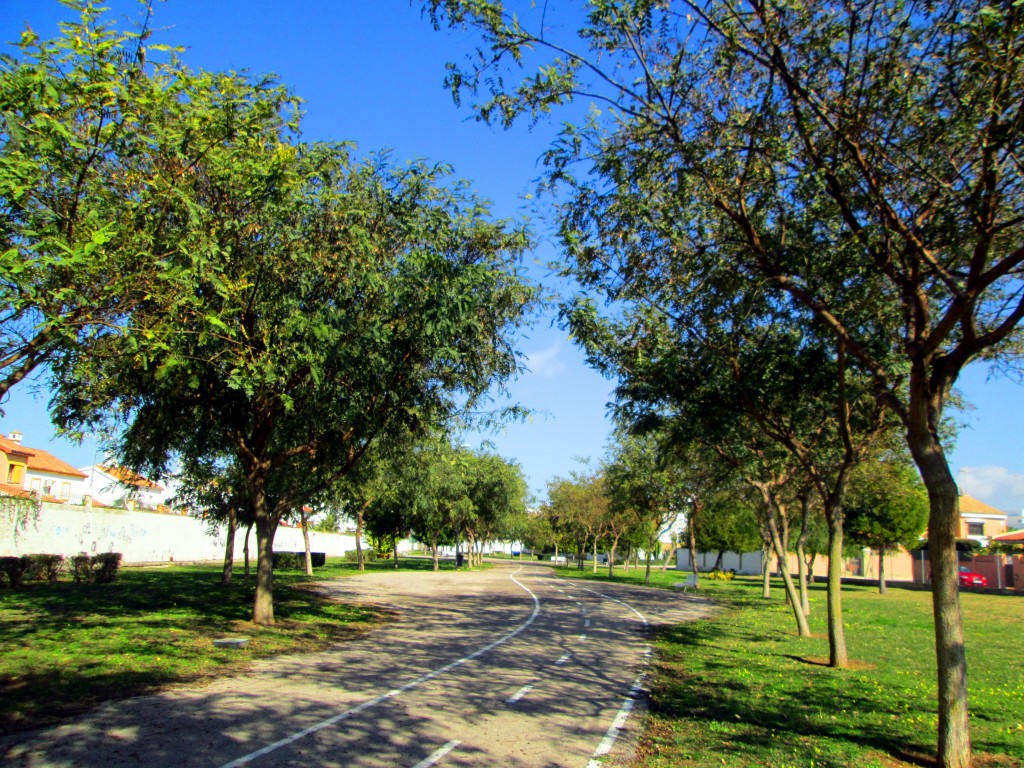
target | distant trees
x=887, y=509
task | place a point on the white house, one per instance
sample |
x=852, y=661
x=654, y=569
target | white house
x=116, y=486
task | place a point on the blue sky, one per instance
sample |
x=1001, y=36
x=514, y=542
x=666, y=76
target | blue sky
x=372, y=71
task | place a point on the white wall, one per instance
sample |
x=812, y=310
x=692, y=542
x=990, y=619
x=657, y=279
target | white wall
x=144, y=536
x=748, y=563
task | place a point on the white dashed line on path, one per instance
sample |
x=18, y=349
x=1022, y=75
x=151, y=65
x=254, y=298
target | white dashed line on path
x=565, y=657
x=519, y=694
x=394, y=692
x=437, y=755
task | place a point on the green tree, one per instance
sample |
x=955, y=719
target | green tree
x=887, y=509
x=327, y=305
x=882, y=139
x=80, y=189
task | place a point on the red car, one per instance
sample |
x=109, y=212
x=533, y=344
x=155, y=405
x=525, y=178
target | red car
x=969, y=578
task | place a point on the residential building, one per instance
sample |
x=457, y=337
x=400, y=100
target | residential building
x=33, y=470
x=979, y=521
x=112, y=486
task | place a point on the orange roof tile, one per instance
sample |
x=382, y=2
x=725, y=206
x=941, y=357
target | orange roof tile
x=9, y=446
x=128, y=477
x=44, y=461
x=1013, y=536
x=970, y=505
x=9, y=489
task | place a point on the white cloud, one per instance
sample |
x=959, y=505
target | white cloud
x=994, y=485
x=546, y=362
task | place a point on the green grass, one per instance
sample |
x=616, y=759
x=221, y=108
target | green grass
x=64, y=648
x=741, y=689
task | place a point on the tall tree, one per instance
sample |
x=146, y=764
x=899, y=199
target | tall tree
x=327, y=304
x=885, y=134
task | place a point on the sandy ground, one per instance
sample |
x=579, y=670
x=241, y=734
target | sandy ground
x=505, y=667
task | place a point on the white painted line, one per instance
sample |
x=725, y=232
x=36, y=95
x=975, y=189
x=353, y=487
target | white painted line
x=627, y=706
x=437, y=755
x=583, y=611
x=586, y=623
x=583, y=637
x=564, y=658
x=616, y=727
x=519, y=694
x=394, y=691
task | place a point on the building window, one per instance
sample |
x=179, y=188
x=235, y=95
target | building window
x=37, y=485
x=15, y=473
x=65, y=491
x=975, y=529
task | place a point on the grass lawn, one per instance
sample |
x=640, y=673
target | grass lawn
x=65, y=648
x=743, y=690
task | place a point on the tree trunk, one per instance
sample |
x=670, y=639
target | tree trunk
x=882, y=588
x=266, y=528
x=433, y=547
x=248, y=530
x=305, y=540
x=647, y=571
x=611, y=558
x=556, y=551
x=954, y=742
x=229, y=546
x=691, y=544
x=837, y=656
x=394, y=551
x=766, y=573
x=791, y=592
x=801, y=549
x=718, y=560
x=595, y=554
x=361, y=563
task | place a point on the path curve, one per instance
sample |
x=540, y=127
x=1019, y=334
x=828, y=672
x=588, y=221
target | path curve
x=510, y=666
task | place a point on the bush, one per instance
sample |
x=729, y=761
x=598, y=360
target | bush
x=298, y=559
x=351, y=556
x=45, y=567
x=81, y=568
x=101, y=568
x=14, y=569
x=721, y=575
x=105, y=566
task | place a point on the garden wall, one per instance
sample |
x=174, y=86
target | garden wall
x=142, y=537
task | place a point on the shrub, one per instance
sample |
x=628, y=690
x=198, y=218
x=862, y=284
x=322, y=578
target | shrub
x=101, y=568
x=14, y=569
x=721, y=575
x=105, y=566
x=298, y=559
x=81, y=569
x=45, y=567
x=351, y=556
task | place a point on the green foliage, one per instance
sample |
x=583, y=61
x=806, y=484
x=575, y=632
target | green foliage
x=298, y=559
x=15, y=568
x=352, y=556
x=45, y=567
x=95, y=569
x=887, y=506
x=720, y=575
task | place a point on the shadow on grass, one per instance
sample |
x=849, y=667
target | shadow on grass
x=67, y=647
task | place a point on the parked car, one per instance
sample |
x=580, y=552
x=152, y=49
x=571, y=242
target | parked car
x=969, y=578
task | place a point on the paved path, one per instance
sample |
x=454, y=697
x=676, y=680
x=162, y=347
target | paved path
x=505, y=667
